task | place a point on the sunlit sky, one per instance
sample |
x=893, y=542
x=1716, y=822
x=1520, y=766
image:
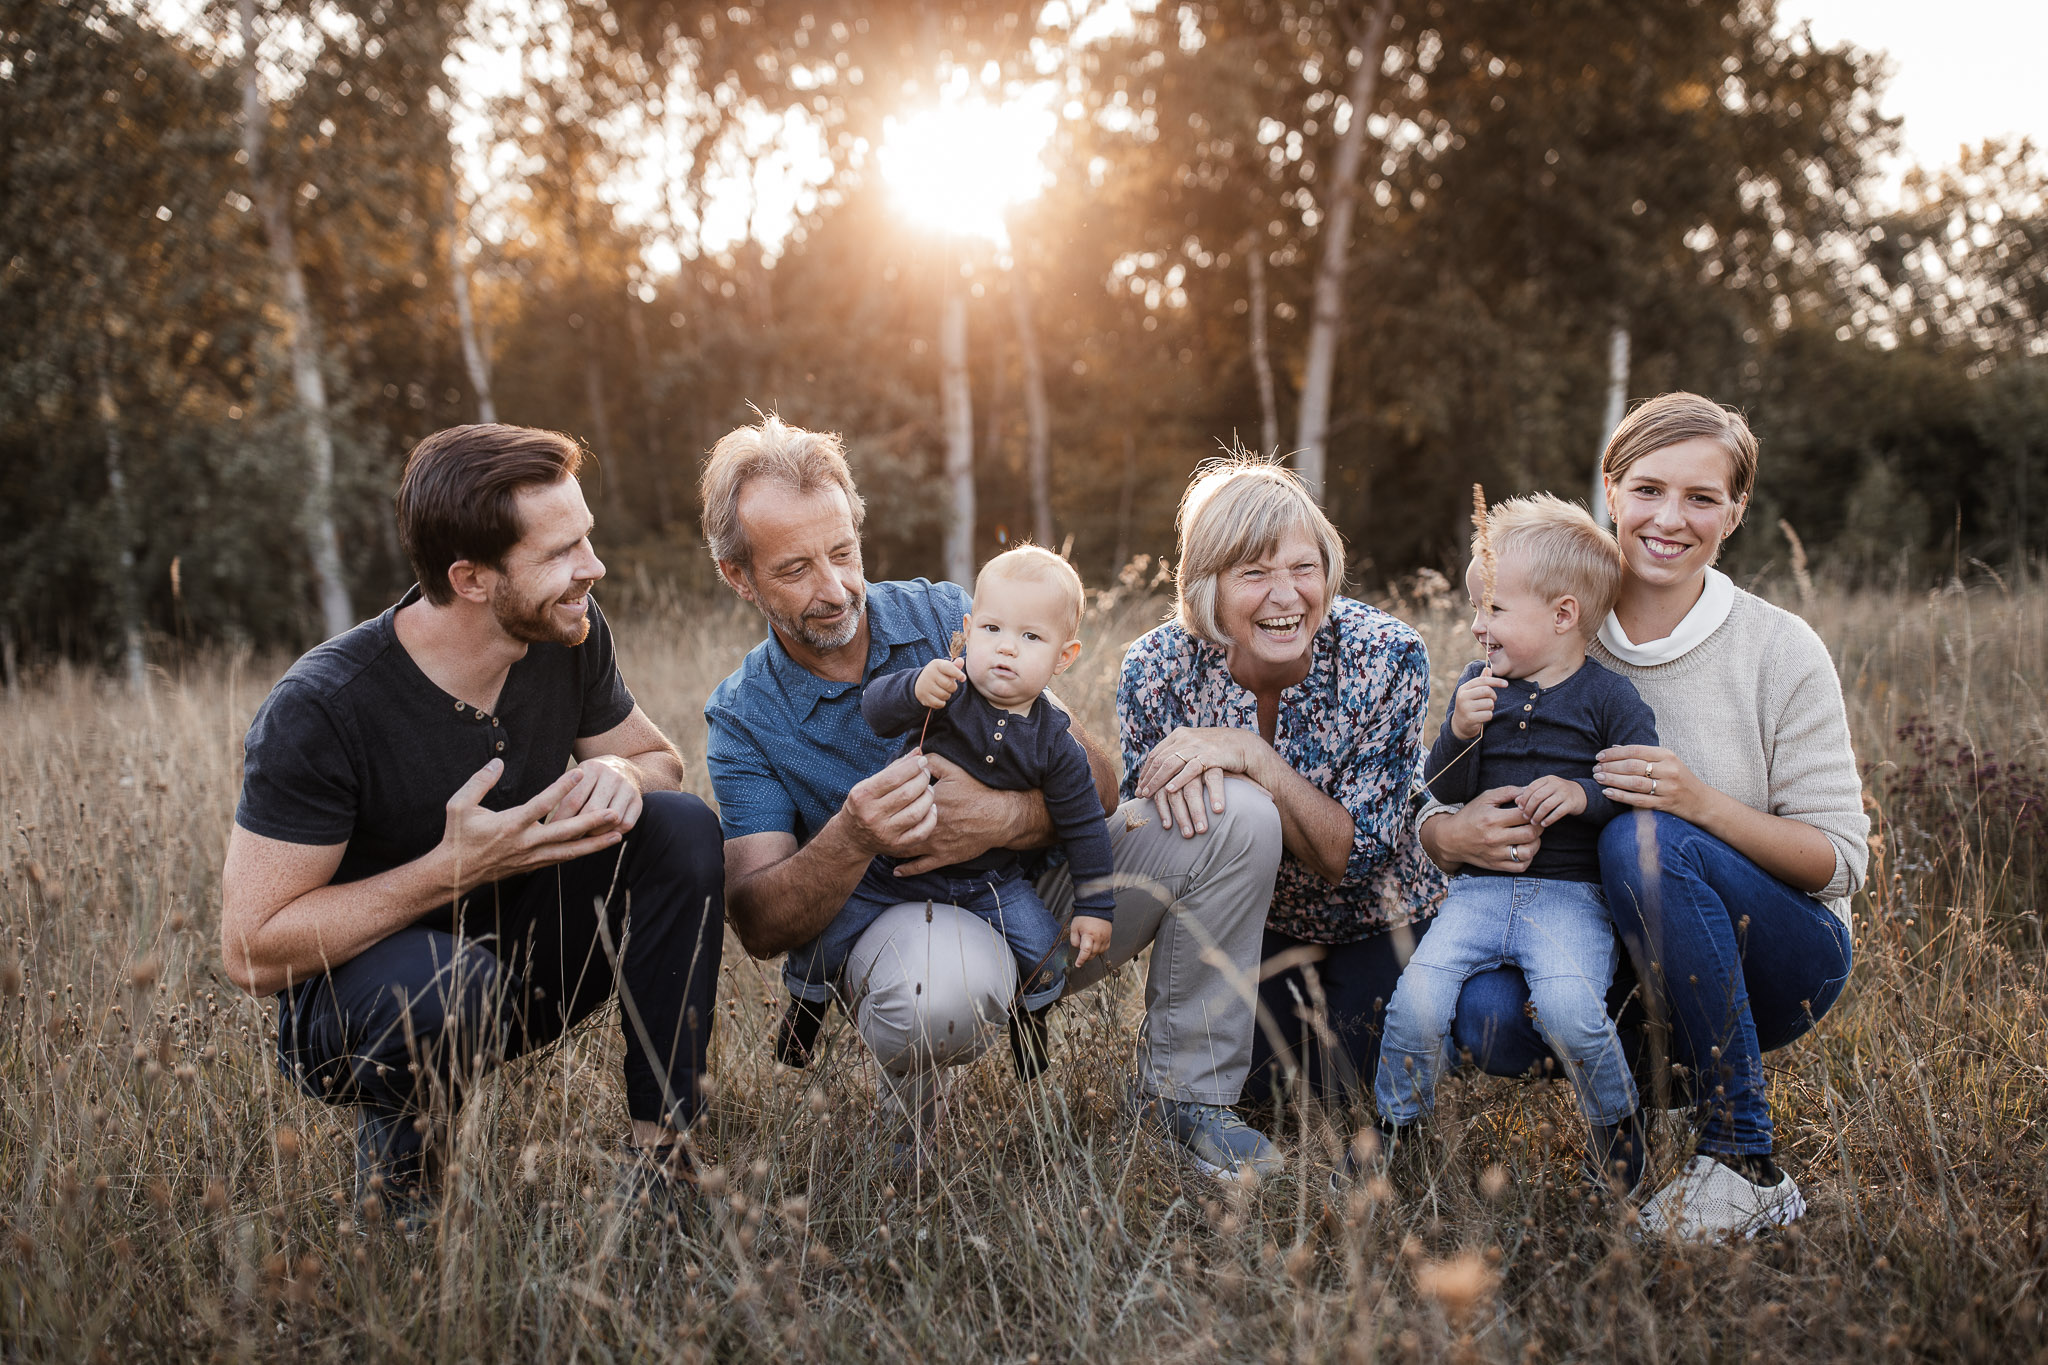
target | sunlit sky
x=1962, y=71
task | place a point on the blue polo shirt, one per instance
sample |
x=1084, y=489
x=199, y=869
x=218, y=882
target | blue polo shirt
x=785, y=745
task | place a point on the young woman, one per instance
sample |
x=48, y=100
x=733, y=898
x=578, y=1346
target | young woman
x=1730, y=884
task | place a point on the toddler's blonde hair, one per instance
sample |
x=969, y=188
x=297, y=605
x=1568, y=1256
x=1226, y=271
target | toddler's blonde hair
x=1563, y=551
x=1029, y=563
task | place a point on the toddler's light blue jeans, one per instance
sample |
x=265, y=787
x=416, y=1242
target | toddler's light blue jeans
x=1559, y=934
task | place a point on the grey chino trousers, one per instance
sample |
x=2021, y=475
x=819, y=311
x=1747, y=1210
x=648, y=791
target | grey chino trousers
x=931, y=985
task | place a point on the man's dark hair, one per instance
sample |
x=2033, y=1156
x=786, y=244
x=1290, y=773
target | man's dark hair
x=458, y=499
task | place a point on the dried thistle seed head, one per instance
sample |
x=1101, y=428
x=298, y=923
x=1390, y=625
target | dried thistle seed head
x=956, y=646
x=288, y=1143
x=1459, y=1284
x=10, y=977
x=142, y=973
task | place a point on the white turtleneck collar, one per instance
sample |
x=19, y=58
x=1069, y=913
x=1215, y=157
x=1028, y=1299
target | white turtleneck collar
x=1706, y=616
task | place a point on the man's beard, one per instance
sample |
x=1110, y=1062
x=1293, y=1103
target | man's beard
x=821, y=639
x=533, y=623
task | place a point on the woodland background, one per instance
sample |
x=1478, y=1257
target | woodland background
x=235, y=289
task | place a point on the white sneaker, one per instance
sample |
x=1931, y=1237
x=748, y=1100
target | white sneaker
x=1708, y=1200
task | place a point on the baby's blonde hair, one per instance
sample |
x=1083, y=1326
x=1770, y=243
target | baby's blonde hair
x=1029, y=563
x=1563, y=550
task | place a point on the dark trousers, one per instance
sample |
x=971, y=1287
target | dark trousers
x=417, y=1017
x=1355, y=980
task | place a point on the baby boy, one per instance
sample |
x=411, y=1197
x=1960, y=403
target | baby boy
x=1002, y=728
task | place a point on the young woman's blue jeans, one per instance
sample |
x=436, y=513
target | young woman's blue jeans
x=1729, y=957
x=1558, y=934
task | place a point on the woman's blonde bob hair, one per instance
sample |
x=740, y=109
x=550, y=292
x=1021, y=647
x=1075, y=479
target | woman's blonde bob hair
x=1235, y=511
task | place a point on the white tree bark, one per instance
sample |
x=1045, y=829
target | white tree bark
x=127, y=595
x=956, y=418
x=473, y=357
x=1262, y=357
x=1340, y=204
x=1617, y=408
x=302, y=341
x=1037, y=414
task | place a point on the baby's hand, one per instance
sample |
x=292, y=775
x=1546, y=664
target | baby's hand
x=1472, y=707
x=1548, y=800
x=937, y=681
x=1090, y=937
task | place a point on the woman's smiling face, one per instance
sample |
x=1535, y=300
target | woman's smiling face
x=1270, y=608
x=1672, y=509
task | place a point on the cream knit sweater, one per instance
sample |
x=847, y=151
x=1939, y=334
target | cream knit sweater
x=1756, y=711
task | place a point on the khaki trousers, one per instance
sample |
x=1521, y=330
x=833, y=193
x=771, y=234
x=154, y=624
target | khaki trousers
x=932, y=985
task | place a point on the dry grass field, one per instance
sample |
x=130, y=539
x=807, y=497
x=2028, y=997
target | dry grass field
x=163, y=1194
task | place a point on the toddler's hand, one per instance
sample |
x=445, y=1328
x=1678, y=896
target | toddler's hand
x=1548, y=800
x=937, y=681
x=1472, y=707
x=1090, y=937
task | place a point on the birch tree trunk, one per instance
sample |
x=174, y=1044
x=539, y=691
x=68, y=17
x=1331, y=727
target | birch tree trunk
x=473, y=357
x=956, y=418
x=1617, y=408
x=1037, y=414
x=1126, y=500
x=302, y=342
x=1262, y=358
x=1326, y=320
x=127, y=597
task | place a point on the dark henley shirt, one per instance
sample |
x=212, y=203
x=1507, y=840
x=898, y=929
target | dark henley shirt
x=1009, y=752
x=1537, y=732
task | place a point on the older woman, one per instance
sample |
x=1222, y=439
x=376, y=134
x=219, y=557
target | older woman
x=1730, y=887
x=1266, y=674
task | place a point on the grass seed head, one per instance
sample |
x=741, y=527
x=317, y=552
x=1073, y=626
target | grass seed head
x=1482, y=546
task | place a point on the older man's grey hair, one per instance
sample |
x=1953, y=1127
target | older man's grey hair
x=1236, y=511
x=799, y=460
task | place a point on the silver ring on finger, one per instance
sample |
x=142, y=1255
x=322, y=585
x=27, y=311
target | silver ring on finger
x=1514, y=853
x=1653, y=786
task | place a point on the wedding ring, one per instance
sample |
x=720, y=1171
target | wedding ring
x=1514, y=853
x=1653, y=786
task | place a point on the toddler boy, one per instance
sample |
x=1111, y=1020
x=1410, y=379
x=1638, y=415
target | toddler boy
x=1002, y=728
x=1532, y=715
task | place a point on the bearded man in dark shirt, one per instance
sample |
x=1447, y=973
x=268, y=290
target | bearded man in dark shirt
x=459, y=835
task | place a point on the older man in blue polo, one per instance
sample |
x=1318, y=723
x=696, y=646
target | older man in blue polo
x=809, y=795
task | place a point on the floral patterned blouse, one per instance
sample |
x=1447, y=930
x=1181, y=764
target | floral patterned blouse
x=1353, y=727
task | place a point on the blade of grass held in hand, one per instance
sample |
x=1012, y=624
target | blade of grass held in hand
x=1482, y=550
x=956, y=649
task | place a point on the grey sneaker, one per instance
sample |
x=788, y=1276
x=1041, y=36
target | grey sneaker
x=1212, y=1137
x=1709, y=1199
